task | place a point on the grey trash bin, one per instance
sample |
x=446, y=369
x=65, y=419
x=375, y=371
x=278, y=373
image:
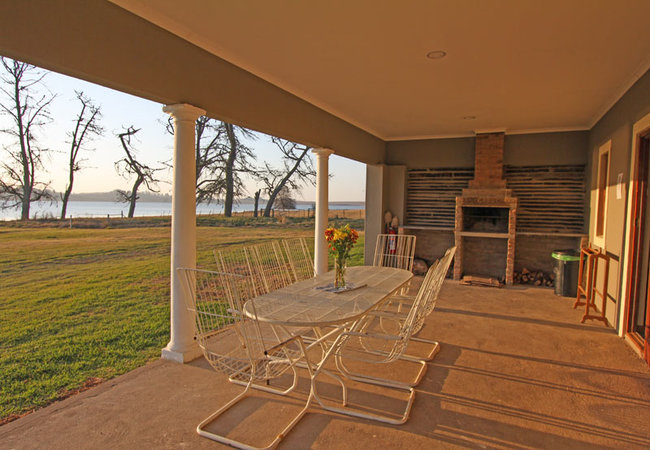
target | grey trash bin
x=567, y=265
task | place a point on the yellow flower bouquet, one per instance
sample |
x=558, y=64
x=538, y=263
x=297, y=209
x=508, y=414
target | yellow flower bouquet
x=340, y=241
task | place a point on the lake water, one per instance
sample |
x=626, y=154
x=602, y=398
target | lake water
x=101, y=209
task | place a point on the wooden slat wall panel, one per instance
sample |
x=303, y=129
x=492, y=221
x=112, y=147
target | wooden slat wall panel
x=551, y=198
x=431, y=195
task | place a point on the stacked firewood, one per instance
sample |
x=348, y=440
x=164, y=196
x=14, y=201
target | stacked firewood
x=536, y=278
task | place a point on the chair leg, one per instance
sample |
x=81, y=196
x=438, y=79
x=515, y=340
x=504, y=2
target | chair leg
x=434, y=351
x=224, y=440
x=376, y=417
x=268, y=389
x=383, y=381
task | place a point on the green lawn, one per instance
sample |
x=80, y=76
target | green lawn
x=82, y=305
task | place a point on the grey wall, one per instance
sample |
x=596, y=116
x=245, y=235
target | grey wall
x=571, y=147
x=562, y=148
x=431, y=153
x=617, y=125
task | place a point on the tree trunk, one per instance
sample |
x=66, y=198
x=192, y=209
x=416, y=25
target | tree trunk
x=278, y=188
x=66, y=195
x=230, y=188
x=257, y=202
x=134, y=196
x=269, y=205
x=27, y=185
x=27, y=195
x=64, y=200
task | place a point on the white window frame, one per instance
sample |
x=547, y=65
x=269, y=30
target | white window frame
x=600, y=239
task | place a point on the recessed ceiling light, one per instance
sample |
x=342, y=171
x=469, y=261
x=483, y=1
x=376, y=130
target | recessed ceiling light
x=436, y=55
x=469, y=117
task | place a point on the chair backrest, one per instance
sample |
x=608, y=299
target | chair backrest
x=239, y=261
x=300, y=260
x=418, y=312
x=230, y=341
x=440, y=274
x=268, y=260
x=395, y=250
x=427, y=295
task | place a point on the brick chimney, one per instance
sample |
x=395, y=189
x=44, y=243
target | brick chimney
x=486, y=215
x=488, y=162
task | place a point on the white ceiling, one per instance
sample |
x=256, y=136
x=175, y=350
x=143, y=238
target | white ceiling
x=518, y=66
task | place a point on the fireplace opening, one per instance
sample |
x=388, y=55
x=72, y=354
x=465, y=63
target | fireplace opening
x=486, y=220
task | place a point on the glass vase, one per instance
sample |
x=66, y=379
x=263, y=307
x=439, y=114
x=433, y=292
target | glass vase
x=340, y=264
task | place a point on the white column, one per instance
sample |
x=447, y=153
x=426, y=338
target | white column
x=182, y=347
x=322, y=208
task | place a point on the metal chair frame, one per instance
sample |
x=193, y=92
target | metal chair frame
x=300, y=260
x=268, y=260
x=429, y=291
x=392, y=347
x=236, y=345
x=395, y=250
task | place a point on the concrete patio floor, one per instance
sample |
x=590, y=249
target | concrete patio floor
x=516, y=370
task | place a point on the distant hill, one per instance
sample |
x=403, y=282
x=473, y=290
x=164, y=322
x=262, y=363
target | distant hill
x=111, y=196
x=152, y=197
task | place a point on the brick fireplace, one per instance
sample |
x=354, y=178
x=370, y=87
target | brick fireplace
x=485, y=220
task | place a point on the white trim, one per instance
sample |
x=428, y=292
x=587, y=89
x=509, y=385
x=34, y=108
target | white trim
x=636, y=130
x=600, y=240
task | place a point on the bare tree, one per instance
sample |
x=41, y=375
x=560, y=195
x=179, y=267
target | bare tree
x=237, y=162
x=19, y=187
x=221, y=158
x=129, y=166
x=298, y=168
x=284, y=200
x=86, y=128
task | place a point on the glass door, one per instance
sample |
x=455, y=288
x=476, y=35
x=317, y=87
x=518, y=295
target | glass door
x=637, y=325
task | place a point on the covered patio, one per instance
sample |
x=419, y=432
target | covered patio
x=477, y=94
x=516, y=369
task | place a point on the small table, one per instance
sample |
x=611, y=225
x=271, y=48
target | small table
x=303, y=305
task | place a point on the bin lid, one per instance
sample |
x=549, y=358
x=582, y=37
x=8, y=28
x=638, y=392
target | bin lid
x=566, y=255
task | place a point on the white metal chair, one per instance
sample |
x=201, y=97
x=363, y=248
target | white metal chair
x=240, y=347
x=395, y=250
x=426, y=297
x=239, y=261
x=376, y=347
x=300, y=260
x=268, y=260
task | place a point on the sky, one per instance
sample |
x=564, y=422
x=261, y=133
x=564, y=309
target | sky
x=154, y=144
